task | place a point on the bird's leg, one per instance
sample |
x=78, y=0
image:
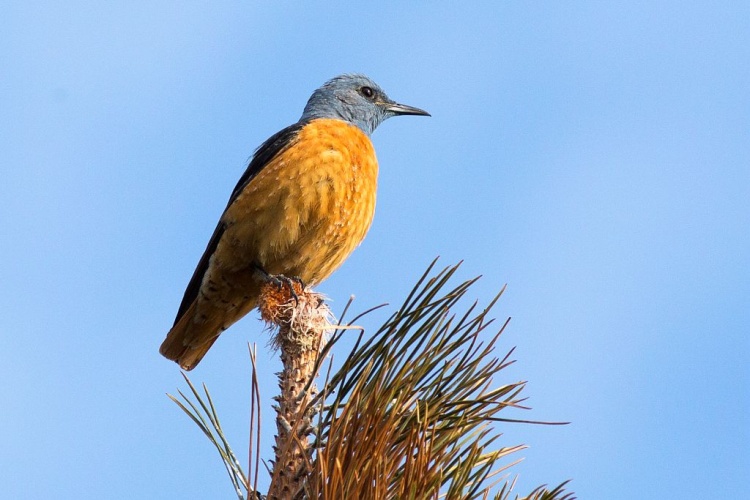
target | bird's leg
x=280, y=280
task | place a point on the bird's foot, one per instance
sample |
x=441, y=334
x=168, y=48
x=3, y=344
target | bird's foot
x=280, y=281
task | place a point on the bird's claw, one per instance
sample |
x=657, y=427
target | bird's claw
x=280, y=280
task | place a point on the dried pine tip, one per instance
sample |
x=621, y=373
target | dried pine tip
x=302, y=321
x=274, y=299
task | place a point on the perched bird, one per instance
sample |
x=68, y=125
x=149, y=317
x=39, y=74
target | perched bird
x=302, y=206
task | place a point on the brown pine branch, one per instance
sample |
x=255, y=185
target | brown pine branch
x=299, y=321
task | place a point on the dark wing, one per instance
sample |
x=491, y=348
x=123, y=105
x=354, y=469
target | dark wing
x=274, y=145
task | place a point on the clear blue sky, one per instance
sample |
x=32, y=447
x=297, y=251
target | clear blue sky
x=594, y=156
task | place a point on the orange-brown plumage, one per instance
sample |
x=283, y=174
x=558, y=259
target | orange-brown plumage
x=305, y=212
x=305, y=203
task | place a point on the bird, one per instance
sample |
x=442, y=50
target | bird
x=304, y=203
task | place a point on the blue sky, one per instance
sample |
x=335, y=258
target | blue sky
x=593, y=156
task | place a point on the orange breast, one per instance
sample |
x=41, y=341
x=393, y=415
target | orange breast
x=309, y=208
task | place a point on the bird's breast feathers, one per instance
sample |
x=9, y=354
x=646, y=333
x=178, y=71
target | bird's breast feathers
x=313, y=201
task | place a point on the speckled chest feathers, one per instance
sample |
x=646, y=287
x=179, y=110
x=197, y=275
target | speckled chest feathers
x=309, y=207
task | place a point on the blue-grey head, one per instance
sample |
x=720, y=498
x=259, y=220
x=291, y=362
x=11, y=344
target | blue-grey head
x=355, y=99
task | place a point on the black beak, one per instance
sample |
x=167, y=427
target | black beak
x=403, y=109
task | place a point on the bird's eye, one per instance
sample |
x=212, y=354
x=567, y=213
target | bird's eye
x=367, y=92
